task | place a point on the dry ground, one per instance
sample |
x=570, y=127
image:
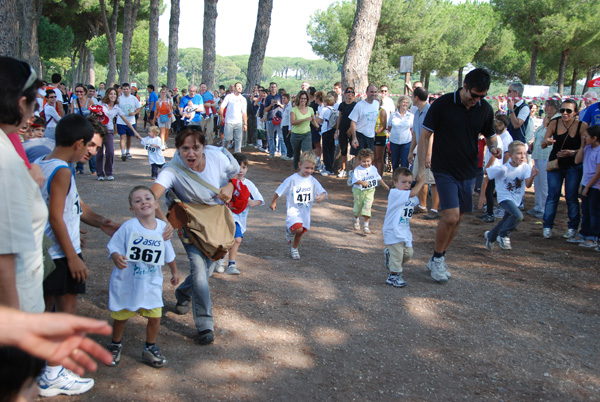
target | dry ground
x=514, y=325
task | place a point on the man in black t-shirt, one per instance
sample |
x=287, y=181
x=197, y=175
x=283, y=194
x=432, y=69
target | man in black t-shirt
x=457, y=119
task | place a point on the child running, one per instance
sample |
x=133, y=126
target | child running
x=365, y=179
x=301, y=190
x=139, y=252
x=154, y=145
x=396, y=225
x=510, y=190
x=590, y=188
x=240, y=219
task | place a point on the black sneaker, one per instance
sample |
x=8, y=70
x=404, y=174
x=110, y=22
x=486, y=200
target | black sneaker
x=115, y=349
x=205, y=337
x=153, y=357
x=123, y=157
x=489, y=219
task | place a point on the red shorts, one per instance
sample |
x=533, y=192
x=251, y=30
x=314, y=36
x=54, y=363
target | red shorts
x=297, y=226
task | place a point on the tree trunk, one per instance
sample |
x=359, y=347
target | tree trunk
x=91, y=69
x=26, y=21
x=574, y=82
x=209, y=54
x=426, y=82
x=9, y=28
x=153, y=43
x=83, y=63
x=173, y=40
x=588, y=77
x=562, y=67
x=111, y=38
x=259, y=44
x=127, y=37
x=460, y=77
x=360, y=44
x=533, y=65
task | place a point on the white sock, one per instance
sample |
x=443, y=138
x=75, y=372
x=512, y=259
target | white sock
x=52, y=371
x=433, y=210
x=128, y=151
x=366, y=224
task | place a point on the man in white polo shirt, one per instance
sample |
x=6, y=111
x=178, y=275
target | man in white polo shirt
x=236, y=118
x=130, y=105
x=362, y=122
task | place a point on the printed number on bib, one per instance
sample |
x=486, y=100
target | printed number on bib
x=303, y=195
x=77, y=207
x=149, y=148
x=407, y=213
x=146, y=248
x=371, y=183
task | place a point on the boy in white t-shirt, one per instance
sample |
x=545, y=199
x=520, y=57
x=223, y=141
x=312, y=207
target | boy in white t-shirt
x=396, y=226
x=511, y=179
x=256, y=199
x=154, y=145
x=139, y=252
x=301, y=190
x=365, y=178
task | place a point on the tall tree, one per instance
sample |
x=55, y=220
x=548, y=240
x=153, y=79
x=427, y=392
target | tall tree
x=360, y=44
x=259, y=44
x=9, y=28
x=209, y=43
x=173, y=41
x=129, y=18
x=153, y=43
x=111, y=38
x=30, y=14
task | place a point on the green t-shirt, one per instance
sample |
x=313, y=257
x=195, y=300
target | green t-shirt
x=304, y=127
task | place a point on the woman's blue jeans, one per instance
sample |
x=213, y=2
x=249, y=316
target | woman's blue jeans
x=399, y=155
x=590, y=215
x=571, y=177
x=195, y=288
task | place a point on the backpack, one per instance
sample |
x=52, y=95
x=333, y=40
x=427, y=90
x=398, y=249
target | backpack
x=333, y=118
x=525, y=132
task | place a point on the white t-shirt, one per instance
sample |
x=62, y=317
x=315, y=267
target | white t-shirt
x=370, y=175
x=300, y=194
x=216, y=162
x=506, y=140
x=72, y=211
x=236, y=106
x=396, y=225
x=365, y=115
x=128, y=104
x=52, y=116
x=401, y=126
x=325, y=116
x=155, y=154
x=510, y=181
x=139, y=285
x=285, y=119
x=388, y=106
x=111, y=114
x=255, y=195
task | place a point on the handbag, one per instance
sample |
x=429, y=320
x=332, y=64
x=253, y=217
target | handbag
x=210, y=228
x=164, y=118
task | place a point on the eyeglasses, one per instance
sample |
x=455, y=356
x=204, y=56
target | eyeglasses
x=51, y=97
x=349, y=92
x=476, y=96
x=567, y=111
x=383, y=90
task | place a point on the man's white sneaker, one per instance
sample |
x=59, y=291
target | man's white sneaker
x=504, y=242
x=547, y=233
x=437, y=268
x=66, y=383
x=342, y=174
x=220, y=266
x=569, y=233
x=232, y=270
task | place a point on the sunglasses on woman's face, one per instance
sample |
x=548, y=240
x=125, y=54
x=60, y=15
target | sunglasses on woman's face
x=567, y=111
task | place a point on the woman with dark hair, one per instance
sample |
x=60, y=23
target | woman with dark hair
x=217, y=167
x=301, y=118
x=564, y=135
x=50, y=113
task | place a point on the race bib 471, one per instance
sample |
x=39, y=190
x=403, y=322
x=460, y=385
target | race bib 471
x=303, y=195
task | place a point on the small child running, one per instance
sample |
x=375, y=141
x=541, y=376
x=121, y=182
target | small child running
x=240, y=219
x=301, y=190
x=139, y=252
x=510, y=178
x=365, y=179
x=154, y=146
x=396, y=225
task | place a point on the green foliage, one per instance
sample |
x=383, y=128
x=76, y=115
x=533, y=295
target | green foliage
x=53, y=40
x=330, y=29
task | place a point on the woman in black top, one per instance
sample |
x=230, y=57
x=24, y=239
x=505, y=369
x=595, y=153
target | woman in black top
x=345, y=108
x=565, y=136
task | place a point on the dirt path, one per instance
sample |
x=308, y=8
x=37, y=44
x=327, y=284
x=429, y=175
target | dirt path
x=510, y=325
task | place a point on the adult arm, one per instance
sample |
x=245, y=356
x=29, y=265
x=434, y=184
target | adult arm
x=492, y=144
x=91, y=218
x=352, y=132
x=8, y=281
x=422, y=149
x=548, y=140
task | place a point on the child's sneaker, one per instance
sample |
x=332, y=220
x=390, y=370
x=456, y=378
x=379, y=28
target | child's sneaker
x=289, y=236
x=356, y=225
x=295, y=253
x=129, y=156
x=66, y=383
x=504, y=242
x=395, y=280
x=488, y=244
x=366, y=230
x=386, y=254
x=437, y=268
x=220, y=266
x=115, y=349
x=153, y=357
x=342, y=174
x=232, y=270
